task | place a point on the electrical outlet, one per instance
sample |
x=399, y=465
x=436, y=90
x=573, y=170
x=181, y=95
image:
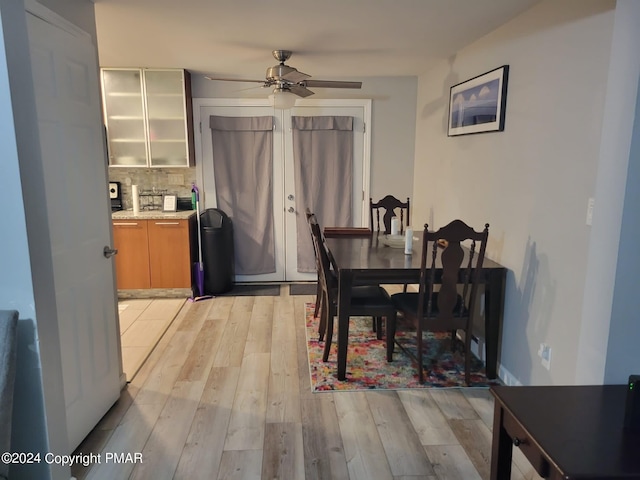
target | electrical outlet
x=544, y=352
x=590, y=205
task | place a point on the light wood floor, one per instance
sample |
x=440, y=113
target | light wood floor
x=226, y=394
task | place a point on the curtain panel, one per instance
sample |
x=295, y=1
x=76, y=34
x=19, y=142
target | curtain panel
x=323, y=169
x=243, y=172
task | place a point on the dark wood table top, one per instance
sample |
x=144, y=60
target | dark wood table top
x=370, y=253
x=579, y=428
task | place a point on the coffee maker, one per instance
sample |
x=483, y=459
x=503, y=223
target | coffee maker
x=115, y=194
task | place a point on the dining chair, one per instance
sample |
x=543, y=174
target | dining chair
x=451, y=307
x=388, y=206
x=367, y=301
x=319, y=300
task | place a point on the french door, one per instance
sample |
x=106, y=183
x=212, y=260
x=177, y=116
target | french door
x=285, y=211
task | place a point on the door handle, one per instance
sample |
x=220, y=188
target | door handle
x=109, y=252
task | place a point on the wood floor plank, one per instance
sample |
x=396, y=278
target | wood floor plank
x=482, y=402
x=304, y=378
x=248, y=414
x=160, y=381
x=202, y=452
x=283, y=454
x=129, y=437
x=200, y=358
x=363, y=448
x=162, y=451
x=241, y=465
x=451, y=462
x=427, y=419
x=324, y=455
x=401, y=443
x=453, y=403
x=231, y=350
x=260, y=326
x=475, y=438
x=283, y=402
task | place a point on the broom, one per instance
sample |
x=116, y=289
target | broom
x=198, y=267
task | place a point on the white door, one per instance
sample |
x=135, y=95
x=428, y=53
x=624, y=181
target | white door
x=65, y=74
x=283, y=175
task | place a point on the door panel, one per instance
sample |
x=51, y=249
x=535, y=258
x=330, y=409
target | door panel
x=283, y=173
x=65, y=72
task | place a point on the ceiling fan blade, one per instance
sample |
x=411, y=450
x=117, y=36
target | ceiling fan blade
x=331, y=84
x=294, y=76
x=300, y=91
x=233, y=79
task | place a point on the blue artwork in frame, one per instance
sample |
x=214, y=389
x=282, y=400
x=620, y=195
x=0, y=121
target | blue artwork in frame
x=478, y=105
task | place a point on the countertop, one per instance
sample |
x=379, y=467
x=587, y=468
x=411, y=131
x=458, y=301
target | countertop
x=151, y=215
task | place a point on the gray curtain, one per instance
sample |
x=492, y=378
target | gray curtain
x=323, y=163
x=243, y=167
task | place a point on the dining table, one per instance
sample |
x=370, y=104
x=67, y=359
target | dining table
x=367, y=259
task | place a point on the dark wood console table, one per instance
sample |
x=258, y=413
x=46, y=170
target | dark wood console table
x=566, y=432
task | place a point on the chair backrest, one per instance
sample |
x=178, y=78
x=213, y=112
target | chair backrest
x=460, y=271
x=324, y=259
x=388, y=204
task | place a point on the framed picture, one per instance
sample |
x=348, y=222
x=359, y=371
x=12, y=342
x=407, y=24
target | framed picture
x=169, y=203
x=478, y=104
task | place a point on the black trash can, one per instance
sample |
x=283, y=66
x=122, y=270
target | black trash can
x=216, y=230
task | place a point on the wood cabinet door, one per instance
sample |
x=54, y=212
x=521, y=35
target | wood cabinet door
x=169, y=254
x=132, y=260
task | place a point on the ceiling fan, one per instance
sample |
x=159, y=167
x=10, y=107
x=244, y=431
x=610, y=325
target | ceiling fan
x=287, y=80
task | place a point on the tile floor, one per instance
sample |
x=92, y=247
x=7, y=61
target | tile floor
x=142, y=324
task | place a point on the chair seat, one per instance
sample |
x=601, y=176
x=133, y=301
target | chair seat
x=370, y=297
x=408, y=302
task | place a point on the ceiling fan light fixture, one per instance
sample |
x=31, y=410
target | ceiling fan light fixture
x=282, y=99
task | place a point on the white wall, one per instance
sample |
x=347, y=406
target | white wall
x=392, y=132
x=532, y=181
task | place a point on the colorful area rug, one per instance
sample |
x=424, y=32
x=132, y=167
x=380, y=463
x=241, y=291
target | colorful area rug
x=367, y=366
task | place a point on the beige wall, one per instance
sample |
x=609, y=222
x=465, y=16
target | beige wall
x=532, y=181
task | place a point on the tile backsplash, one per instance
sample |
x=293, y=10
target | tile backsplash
x=172, y=181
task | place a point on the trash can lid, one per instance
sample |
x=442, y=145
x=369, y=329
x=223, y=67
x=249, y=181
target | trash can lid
x=213, y=218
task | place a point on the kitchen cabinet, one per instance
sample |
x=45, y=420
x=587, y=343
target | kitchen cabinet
x=154, y=253
x=148, y=117
x=130, y=238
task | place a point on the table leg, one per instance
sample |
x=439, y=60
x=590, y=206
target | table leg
x=345, y=282
x=493, y=314
x=501, y=447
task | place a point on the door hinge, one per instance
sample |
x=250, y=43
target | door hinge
x=364, y=128
x=200, y=126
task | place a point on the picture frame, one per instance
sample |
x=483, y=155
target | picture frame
x=478, y=105
x=169, y=203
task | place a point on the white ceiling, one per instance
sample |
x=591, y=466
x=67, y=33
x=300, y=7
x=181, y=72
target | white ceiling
x=330, y=38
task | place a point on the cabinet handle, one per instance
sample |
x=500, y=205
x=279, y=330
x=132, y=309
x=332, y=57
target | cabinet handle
x=167, y=223
x=123, y=224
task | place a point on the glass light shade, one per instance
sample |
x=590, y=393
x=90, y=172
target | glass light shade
x=282, y=100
